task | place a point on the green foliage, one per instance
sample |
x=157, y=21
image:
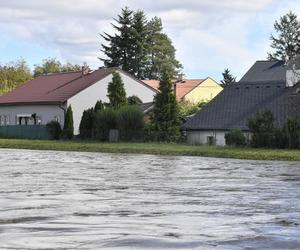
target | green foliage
x=186, y=109
x=235, y=137
x=106, y=119
x=161, y=53
x=139, y=46
x=130, y=122
x=165, y=118
x=228, y=78
x=68, y=130
x=87, y=124
x=292, y=132
x=286, y=44
x=52, y=65
x=13, y=75
x=116, y=92
x=134, y=100
x=262, y=127
x=54, y=130
x=98, y=106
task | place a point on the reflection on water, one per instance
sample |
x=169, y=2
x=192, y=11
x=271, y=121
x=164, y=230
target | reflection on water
x=63, y=200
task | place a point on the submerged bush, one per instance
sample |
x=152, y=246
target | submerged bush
x=235, y=137
x=87, y=124
x=105, y=120
x=130, y=122
x=54, y=130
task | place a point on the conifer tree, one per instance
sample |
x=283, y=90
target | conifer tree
x=116, y=92
x=286, y=44
x=98, y=106
x=165, y=118
x=119, y=51
x=139, y=46
x=68, y=130
x=228, y=78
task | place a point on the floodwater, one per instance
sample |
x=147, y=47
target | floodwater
x=70, y=200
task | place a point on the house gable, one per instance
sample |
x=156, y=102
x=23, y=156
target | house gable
x=88, y=97
x=205, y=91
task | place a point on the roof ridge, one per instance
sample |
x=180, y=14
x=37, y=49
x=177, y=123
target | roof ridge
x=57, y=73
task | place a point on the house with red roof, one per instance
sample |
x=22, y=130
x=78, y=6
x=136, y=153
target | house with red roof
x=46, y=97
x=192, y=90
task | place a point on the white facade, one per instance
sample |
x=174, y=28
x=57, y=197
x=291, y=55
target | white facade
x=88, y=97
x=9, y=115
x=200, y=137
x=210, y=137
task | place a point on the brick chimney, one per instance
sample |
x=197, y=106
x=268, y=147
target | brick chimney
x=85, y=69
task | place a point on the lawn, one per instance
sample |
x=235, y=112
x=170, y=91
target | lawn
x=154, y=148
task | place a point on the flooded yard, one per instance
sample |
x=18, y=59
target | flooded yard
x=71, y=200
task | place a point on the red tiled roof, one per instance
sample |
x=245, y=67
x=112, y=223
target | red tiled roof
x=182, y=87
x=53, y=88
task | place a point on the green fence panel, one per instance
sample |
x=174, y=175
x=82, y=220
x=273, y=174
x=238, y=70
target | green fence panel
x=25, y=132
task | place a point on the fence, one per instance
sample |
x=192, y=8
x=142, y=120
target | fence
x=24, y=132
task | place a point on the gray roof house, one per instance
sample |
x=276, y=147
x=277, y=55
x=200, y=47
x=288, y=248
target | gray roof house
x=266, y=86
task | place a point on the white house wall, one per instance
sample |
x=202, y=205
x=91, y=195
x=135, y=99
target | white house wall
x=200, y=137
x=98, y=91
x=46, y=113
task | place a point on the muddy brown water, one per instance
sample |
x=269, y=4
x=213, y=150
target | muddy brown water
x=71, y=200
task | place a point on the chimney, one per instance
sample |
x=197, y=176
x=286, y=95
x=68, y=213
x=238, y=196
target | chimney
x=293, y=73
x=85, y=69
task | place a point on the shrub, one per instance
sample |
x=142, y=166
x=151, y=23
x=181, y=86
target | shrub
x=130, y=122
x=98, y=106
x=235, y=137
x=54, y=130
x=68, y=131
x=105, y=120
x=87, y=124
x=262, y=128
x=134, y=100
x=292, y=132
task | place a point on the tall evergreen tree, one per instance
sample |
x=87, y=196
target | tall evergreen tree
x=120, y=48
x=139, y=46
x=68, y=130
x=116, y=92
x=286, y=44
x=228, y=78
x=165, y=118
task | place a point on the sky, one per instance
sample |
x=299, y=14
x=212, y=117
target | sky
x=209, y=35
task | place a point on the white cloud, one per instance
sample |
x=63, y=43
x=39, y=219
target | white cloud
x=209, y=35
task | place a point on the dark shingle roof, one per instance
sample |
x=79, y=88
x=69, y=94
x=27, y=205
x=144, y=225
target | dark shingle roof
x=263, y=87
x=146, y=107
x=265, y=71
x=237, y=103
